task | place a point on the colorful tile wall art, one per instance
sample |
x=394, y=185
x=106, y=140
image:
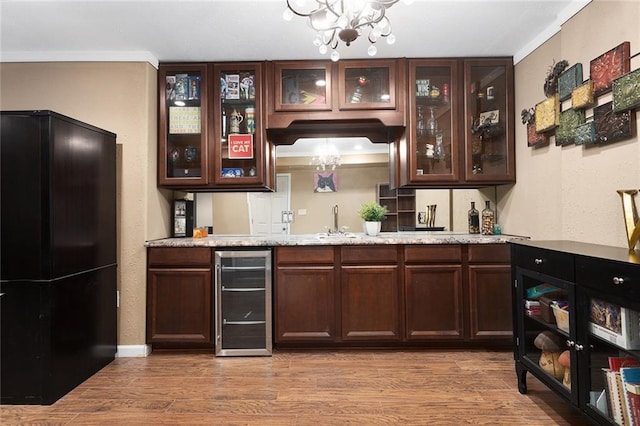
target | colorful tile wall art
x=626, y=92
x=569, y=120
x=535, y=139
x=585, y=133
x=582, y=96
x=610, y=126
x=547, y=114
x=569, y=80
x=609, y=66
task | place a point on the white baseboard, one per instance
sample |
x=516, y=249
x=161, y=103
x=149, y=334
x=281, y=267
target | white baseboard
x=133, y=351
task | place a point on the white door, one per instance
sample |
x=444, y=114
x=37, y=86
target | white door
x=266, y=208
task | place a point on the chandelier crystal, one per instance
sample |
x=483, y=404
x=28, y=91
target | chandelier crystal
x=344, y=20
x=327, y=156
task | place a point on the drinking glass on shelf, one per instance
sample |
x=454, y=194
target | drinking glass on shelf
x=432, y=123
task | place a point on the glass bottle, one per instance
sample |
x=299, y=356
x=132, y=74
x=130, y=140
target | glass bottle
x=488, y=219
x=432, y=123
x=474, y=219
x=420, y=124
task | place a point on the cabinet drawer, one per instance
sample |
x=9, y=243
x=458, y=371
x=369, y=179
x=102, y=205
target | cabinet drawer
x=610, y=277
x=368, y=255
x=433, y=253
x=549, y=262
x=489, y=253
x=304, y=255
x=179, y=256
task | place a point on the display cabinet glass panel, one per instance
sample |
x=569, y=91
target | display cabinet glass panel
x=547, y=312
x=489, y=155
x=613, y=342
x=302, y=86
x=183, y=125
x=238, y=130
x=367, y=85
x=433, y=155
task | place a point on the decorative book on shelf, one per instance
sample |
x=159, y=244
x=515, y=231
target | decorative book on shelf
x=615, y=399
x=631, y=392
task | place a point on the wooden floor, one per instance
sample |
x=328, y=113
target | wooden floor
x=305, y=388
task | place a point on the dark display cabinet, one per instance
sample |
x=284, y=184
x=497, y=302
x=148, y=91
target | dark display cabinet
x=58, y=314
x=589, y=299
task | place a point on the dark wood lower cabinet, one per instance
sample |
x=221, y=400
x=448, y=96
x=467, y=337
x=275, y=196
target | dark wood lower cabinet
x=305, y=304
x=387, y=295
x=412, y=295
x=180, y=298
x=489, y=281
x=305, y=295
x=434, y=301
x=370, y=303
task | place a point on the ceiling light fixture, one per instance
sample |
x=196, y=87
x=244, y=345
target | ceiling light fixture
x=345, y=20
x=327, y=156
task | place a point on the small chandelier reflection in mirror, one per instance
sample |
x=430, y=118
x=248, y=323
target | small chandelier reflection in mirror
x=345, y=20
x=327, y=156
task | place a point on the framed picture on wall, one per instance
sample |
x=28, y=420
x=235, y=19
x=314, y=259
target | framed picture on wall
x=325, y=182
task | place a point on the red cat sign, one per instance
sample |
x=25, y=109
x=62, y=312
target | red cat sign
x=241, y=146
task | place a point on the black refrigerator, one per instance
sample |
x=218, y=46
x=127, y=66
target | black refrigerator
x=58, y=314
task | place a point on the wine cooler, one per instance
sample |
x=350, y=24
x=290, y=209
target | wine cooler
x=243, y=302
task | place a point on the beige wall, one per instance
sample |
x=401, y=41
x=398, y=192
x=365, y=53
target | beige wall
x=121, y=98
x=570, y=192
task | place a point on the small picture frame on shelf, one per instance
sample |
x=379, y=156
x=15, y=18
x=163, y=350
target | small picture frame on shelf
x=489, y=118
x=609, y=66
x=615, y=324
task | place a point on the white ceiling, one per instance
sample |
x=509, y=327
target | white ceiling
x=228, y=30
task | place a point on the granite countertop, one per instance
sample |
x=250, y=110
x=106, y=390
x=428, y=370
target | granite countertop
x=422, y=237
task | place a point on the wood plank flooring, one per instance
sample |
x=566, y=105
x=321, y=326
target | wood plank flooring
x=359, y=387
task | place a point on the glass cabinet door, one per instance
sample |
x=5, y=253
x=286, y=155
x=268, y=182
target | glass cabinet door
x=489, y=117
x=183, y=125
x=367, y=84
x=547, y=329
x=238, y=150
x=433, y=149
x=302, y=86
x=613, y=343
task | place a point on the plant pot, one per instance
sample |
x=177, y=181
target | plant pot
x=372, y=228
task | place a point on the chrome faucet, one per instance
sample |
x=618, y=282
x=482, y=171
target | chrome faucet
x=335, y=229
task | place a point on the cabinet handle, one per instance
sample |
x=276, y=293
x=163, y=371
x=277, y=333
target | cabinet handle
x=618, y=280
x=538, y=261
x=579, y=347
x=571, y=343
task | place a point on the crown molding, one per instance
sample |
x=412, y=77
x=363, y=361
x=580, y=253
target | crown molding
x=80, y=56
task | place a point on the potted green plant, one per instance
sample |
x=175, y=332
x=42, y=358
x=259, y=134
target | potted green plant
x=373, y=214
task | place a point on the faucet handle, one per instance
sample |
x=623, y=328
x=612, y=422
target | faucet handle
x=344, y=229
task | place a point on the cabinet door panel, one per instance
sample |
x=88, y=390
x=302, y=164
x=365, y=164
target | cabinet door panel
x=434, y=303
x=305, y=304
x=490, y=301
x=182, y=119
x=370, y=303
x=179, y=306
x=489, y=149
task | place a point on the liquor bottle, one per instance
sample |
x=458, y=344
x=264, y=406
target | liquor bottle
x=474, y=219
x=488, y=219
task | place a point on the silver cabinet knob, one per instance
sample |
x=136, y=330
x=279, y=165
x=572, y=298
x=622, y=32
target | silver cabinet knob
x=618, y=280
x=538, y=261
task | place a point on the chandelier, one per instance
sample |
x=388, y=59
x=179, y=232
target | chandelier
x=346, y=20
x=327, y=156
